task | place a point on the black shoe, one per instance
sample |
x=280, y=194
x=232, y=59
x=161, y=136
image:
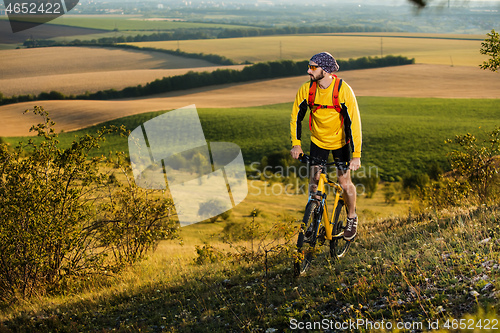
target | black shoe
x=351, y=229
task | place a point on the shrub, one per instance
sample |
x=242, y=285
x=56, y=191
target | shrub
x=390, y=193
x=474, y=179
x=208, y=254
x=62, y=218
x=478, y=164
x=415, y=180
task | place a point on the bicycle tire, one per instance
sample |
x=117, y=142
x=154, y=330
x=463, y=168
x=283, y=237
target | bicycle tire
x=338, y=245
x=306, y=249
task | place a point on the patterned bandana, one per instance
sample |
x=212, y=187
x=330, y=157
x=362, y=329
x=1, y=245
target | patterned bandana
x=326, y=61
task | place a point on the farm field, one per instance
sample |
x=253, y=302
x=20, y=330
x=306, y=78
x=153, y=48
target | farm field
x=429, y=49
x=75, y=70
x=419, y=80
x=134, y=23
x=69, y=60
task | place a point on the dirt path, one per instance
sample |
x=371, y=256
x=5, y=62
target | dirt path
x=405, y=81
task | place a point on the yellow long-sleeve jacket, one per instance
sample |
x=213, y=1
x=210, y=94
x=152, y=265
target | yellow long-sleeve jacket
x=328, y=130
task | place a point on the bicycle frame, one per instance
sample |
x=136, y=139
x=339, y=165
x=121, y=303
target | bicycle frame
x=323, y=179
x=317, y=226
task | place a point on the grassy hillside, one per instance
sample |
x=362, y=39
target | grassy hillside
x=399, y=134
x=435, y=269
x=433, y=49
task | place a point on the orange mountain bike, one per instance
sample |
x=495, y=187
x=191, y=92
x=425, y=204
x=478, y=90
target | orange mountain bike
x=317, y=227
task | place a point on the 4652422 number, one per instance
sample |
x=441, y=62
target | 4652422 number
x=471, y=324
x=34, y=8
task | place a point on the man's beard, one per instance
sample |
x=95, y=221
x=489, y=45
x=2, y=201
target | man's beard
x=316, y=79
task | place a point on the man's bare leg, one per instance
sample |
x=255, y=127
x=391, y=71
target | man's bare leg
x=344, y=179
x=314, y=179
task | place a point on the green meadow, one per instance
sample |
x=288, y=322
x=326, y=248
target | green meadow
x=400, y=135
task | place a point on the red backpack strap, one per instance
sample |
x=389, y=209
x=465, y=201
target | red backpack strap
x=310, y=101
x=336, y=88
x=336, y=104
x=335, y=96
x=312, y=94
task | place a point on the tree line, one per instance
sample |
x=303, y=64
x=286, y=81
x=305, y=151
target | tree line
x=190, y=80
x=179, y=34
x=233, y=33
x=214, y=33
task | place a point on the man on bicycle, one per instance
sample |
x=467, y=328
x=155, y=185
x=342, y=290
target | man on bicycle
x=335, y=126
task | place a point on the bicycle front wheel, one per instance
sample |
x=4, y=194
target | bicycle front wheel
x=338, y=245
x=306, y=241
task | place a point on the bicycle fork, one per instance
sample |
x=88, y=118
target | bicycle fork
x=329, y=225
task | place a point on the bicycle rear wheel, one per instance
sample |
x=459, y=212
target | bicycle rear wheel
x=306, y=245
x=338, y=245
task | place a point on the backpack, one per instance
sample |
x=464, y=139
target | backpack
x=335, y=95
x=336, y=105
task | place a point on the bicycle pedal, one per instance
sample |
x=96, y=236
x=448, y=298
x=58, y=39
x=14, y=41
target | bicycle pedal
x=339, y=235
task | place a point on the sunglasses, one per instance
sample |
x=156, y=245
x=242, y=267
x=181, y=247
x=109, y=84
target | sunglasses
x=312, y=67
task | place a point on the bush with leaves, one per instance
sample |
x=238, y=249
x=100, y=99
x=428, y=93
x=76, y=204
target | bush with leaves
x=477, y=163
x=61, y=216
x=474, y=179
x=133, y=219
x=208, y=254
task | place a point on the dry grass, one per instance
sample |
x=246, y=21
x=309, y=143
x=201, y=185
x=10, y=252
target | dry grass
x=405, y=81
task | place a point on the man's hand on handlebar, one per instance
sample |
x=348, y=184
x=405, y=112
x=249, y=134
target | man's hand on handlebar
x=355, y=163
x=296, y=151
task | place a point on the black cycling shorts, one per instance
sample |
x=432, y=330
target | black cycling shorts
x=341, y=156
